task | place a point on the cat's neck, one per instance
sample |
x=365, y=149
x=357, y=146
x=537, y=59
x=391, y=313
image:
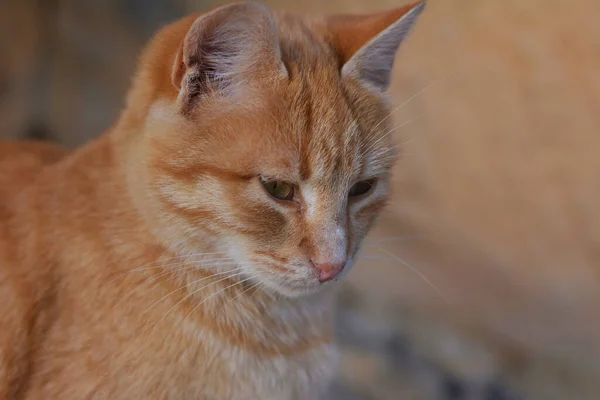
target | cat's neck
x=249, y=315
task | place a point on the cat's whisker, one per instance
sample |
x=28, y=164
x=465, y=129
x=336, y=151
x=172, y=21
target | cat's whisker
x=395, y=147
x=376, y=142
x=200, y=265
x=242, y=292
x=148, y=265
x=192, y=264
x=390, y=158
x=184, y=267
x=218, y=292
x=154, y=280
x=389, y=153
x=169, y=270
x=236, y=270
x=258, y=289
x=394, y=239
x=189, y=295
x=371, y=257
x=410, y=99
x=413, y=269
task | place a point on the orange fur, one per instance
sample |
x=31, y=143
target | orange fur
x=152, y=264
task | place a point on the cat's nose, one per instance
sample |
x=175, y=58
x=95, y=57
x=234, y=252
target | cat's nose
x=328, y=271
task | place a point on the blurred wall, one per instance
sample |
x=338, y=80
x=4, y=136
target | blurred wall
x=482, y=279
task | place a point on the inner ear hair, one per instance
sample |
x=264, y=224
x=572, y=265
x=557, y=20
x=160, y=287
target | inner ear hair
x=226, y=49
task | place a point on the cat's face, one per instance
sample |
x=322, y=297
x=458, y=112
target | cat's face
x=283, y=171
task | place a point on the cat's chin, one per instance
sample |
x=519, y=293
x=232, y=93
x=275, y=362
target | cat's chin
x=296, y=291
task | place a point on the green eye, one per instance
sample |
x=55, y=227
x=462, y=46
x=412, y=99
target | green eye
x=361, y=188
x=279, y=190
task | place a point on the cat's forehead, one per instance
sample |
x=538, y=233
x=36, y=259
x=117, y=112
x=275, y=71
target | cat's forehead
x=321, y=128
x=334, y=131
x=318, y=133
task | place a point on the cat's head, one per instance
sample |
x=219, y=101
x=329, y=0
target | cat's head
x=266, y=137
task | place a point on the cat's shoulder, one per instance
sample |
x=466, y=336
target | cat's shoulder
x=20, y=161
x=15, y=155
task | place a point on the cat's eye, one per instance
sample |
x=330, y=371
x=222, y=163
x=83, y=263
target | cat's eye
x=362, y=188
x=279, y=190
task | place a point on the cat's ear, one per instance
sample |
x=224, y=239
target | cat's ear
x=368, y=44
x=225, y=49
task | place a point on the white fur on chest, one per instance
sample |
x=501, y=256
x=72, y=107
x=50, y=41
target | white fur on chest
x=301, y=377
x=239, y=372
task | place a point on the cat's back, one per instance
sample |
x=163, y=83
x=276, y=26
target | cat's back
x=20, y=163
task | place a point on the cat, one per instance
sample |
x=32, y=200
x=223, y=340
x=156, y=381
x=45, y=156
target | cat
x=192, y=251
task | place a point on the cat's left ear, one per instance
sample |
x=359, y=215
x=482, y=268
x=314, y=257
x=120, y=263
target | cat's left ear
x=228, y=49
x=367, y=44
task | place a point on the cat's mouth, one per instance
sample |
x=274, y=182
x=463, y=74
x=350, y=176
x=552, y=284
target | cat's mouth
x=297, y=281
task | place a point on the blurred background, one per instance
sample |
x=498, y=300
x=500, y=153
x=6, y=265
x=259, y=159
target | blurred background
x=482, y=279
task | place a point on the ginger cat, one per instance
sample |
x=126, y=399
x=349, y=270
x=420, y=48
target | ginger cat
x=191, y=251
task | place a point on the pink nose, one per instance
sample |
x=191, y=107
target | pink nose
x=328, y=271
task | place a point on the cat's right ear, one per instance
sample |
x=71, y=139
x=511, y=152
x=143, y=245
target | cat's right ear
x=367, y=44
x=226, y=49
